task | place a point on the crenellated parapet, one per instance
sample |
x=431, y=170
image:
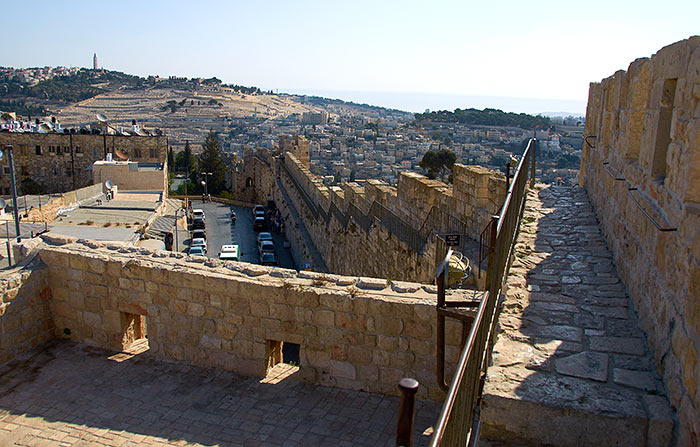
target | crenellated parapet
x=641, y=168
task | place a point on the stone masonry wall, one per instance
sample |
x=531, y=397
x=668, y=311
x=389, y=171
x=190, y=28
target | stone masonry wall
x=63, y=159
x=25, y=314
x=479, y=194
x=646, y=154
x=352, y=251
x=356, y=333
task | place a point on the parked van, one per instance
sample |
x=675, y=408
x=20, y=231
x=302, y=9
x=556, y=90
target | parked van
x=229, y=253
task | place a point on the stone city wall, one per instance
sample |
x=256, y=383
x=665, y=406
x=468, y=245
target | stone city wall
x=382, y=251
x=350, y=250
x=60, y=162
x=641, y=168
x=355, y=333
x=25, y=313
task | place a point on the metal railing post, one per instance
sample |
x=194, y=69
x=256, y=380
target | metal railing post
x=404, y=426
x=492, y=252
x=532, y=156
x=507, y=177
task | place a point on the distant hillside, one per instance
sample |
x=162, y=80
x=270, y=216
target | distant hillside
x=88, y=83
x=326, y=102
x=487, y=117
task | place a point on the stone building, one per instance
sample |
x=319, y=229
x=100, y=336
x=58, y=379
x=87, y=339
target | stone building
x=641, y=169
x=60, y=162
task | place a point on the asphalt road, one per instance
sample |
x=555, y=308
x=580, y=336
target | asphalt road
x=221, y=231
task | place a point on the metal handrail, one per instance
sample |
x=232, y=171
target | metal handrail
x=458, y=419
x=609, y=170
x=639, y=205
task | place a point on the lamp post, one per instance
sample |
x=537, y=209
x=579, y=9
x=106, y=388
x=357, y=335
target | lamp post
x=205, y=183
x=176, y=244
x=11, y=161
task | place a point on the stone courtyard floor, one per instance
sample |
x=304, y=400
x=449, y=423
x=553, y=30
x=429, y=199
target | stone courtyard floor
x=68, y=394
x=570, y=364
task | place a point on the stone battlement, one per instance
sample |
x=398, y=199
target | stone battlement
x=353, y=332
x=641, y=169
x=476, y=194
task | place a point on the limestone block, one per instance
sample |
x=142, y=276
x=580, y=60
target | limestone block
x=195, y=309
x=324, y=317
x=389, y=325
x=92, y=319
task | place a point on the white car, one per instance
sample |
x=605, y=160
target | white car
x=198, y=214
x=266, y=247
x=199, y=242
x=197, y=251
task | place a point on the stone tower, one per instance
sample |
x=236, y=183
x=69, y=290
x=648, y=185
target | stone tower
x=94, y=61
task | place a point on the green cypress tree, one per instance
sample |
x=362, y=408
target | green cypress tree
x=212, y=160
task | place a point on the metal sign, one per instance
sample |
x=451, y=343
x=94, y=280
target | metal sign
x=452, y=240
x=307, y=266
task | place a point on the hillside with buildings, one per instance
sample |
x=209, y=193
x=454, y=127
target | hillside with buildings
x=534, y=313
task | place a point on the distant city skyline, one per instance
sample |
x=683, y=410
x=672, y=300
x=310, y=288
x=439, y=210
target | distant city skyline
x=443, y=52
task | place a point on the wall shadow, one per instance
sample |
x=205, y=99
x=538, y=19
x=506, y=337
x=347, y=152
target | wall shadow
x=77, y=389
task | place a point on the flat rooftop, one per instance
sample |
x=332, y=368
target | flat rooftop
x=71, y=394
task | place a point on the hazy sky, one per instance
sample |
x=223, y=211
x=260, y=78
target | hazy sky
x=527, y=49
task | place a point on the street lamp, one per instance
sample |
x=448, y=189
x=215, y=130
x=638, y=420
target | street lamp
x=11, y=161
x=205, y=183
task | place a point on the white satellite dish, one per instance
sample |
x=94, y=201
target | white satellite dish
x=3, y=204
x=109, y=184
x=101, y=118
x=45, y=128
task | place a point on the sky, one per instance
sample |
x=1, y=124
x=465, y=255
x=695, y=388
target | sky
x=427, y=53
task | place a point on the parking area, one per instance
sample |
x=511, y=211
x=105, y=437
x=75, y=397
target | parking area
x=221, y=230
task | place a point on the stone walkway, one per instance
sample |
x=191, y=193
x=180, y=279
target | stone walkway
x=570, y=365
x=74, y=395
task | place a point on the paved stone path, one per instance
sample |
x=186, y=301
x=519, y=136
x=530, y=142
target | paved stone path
x=570, y=365
x=75, y=395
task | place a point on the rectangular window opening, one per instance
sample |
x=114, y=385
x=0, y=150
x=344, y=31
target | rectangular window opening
x=283, y=360
x=135, y=339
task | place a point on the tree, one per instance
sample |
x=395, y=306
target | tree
x=212, y=160
x=438, y=162
x=171, y=159
x=184, y=161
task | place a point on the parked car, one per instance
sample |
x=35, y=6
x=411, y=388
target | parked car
x=268, y=258
x=198, y=213
x=199, y=242
x=198, y=224
x=257, y=210
x=266, y=247
x=201, y=233
x=229, y=252
x=197, y=251
x=259, y=224
x=264, y=236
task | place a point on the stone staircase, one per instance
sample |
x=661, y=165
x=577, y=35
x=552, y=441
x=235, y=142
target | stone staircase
x=570, y=365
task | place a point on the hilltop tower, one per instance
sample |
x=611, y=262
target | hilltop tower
x=94, y=61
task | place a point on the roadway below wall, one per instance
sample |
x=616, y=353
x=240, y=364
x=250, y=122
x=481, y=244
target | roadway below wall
x=310, y=250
